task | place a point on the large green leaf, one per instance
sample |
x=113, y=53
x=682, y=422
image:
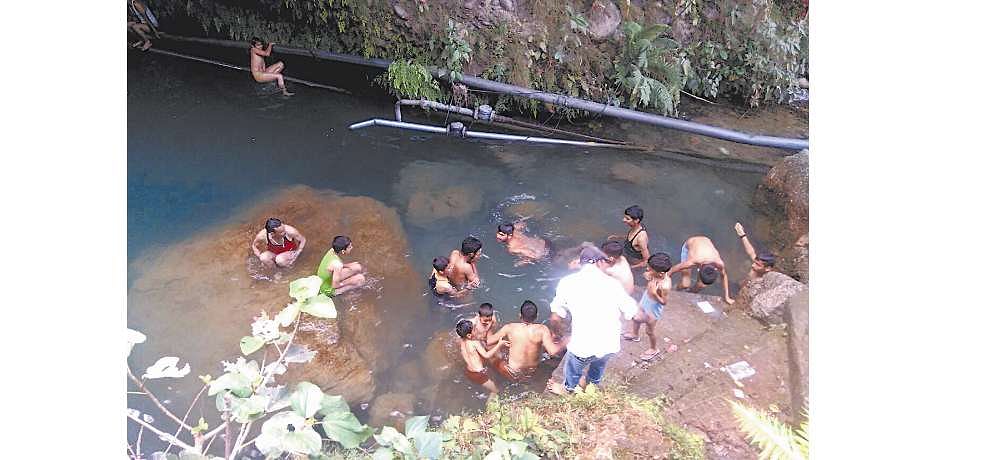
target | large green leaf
x=304, y=288
x=631, y=29
x=416, y=425
x=288, y=432
x=236, y=382
x=390, y=437
x=306, y=399
x=251, y=344
x=288, y=314
x=332, y=404
x=246, y=409
x=345, y=428
x=429, y=444
x=320, y=306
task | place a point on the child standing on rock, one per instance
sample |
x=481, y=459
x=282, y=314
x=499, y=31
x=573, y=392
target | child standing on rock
x=651, y=304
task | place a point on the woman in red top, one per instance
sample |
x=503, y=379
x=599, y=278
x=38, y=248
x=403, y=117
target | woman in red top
x=278, y=244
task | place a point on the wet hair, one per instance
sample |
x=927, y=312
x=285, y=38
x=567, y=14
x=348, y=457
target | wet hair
x=612, y=248
x=440, y=263
x=470, y=245
x=767, y=258
x=340, y=242
x=486, y=309
x=464, y=328
x=635, y=212
x=256, y=41
x=528, y=311
x=272, y=223
x=507, y=228
x=660, y=262
x=708, y=274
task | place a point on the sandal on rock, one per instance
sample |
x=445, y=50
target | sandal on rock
x=646, y=356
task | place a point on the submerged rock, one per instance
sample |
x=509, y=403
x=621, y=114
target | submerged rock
x=392, y=409
x=442, y=190
x=196, y=297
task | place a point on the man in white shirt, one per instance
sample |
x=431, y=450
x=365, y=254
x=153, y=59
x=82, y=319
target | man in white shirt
x=594, y=301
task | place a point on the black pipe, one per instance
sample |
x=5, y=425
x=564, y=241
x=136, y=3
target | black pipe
x=550, y=98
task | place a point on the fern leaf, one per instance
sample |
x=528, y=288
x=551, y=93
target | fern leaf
x=775, y=439
x=653, y=32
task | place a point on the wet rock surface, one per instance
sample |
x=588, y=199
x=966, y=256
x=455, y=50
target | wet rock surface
x=441, y=191
x=200, y=289
x=392, y=409
x=784, y=193
x=798, y=341
x=766, y=297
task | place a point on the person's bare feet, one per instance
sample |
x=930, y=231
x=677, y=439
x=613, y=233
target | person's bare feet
x=556, y=388
x=147, y=44
x=287, y=93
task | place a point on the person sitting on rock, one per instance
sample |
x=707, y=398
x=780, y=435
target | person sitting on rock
x=339, y=277
x=462, y=270
x=699, y=252
x=262, y=73
x=526, y=342
x=763, y=262
x=438, y=280
x=618, y=266
x=529, y=249
x=282, y=244
x=475, y=354
x=142, y=23
x=652, y=303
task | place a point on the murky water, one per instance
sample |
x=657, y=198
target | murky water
x=205, y=143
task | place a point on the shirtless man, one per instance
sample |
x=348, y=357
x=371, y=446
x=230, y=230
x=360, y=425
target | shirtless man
x=529, y=249
x=699, y=252
x=280, y=244
x=475, y=354
x=339, y=277
x=618, y=266
x=462, y=270
x=260, y=72
x=762, y=262
x=142, y=22
x=526, y=341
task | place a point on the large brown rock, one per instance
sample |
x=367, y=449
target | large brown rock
x=784, y=195
x=767, y=296
x=798, y=340
x=196, y=298
x=392, y=409
x=603, y=18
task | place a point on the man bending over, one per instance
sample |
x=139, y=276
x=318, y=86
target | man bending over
x=699, y=252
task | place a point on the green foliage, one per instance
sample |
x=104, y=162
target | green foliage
x=456, y=53
x=417, y=442
x=650, y=68
x=776, y=440
x=756, y=54
x=405, y=79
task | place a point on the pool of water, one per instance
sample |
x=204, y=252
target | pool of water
x=204, y=142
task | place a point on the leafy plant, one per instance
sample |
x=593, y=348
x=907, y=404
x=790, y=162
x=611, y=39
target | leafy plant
x=776, y=440
x=456, y=53
x=416, y=443
x=650, y=67
x=246, y=393
x=405, y=79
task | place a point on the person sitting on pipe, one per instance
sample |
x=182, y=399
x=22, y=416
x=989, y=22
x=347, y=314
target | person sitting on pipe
x=142, y=23
x=260, y=72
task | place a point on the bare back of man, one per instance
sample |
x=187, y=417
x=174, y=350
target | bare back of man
x=621, y=271
x=697, y=252
x=526, y=344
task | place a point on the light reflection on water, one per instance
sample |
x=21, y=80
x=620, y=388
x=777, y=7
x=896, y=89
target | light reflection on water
x=203, y=144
